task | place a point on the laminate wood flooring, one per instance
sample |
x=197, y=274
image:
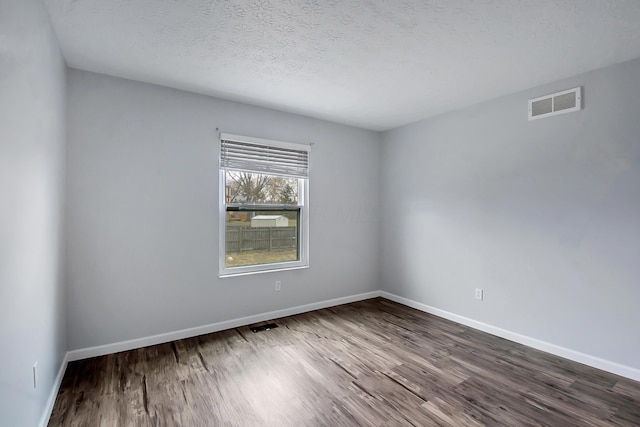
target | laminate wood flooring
x=369, y=363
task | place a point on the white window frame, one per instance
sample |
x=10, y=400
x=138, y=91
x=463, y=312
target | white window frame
x=303, y=206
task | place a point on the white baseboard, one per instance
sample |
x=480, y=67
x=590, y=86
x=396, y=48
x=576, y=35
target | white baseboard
x=46, y=414
x=576, y=356
x=102, y=350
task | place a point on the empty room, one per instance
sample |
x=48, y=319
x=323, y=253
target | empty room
x=319, y=213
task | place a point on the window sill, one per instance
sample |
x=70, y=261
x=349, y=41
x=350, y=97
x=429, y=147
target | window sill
x=272, y=270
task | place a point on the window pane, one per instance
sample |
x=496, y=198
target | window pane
x=254, y=188
x=261, y=237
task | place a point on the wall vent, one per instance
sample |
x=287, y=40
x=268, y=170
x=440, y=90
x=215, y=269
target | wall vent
x=562, y=102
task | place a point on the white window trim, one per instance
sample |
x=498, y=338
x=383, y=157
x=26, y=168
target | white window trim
x=303, y=226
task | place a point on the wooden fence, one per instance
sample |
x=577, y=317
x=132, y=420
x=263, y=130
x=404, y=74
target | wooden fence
x=241, y=239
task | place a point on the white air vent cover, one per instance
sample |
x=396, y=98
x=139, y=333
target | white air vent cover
x=556, y=103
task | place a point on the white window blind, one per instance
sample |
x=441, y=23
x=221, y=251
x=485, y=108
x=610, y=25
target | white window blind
x=264, y=156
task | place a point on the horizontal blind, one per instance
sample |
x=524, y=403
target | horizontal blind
x=264, y=156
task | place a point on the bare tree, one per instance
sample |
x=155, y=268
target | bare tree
x=275, y=188
x=287, y=195
x=253, y=188
x=245, y=187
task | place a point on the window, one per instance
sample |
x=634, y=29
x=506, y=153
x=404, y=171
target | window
x=264, y=194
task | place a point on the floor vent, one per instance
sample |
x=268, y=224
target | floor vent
x=556, y=103
x=261, y=328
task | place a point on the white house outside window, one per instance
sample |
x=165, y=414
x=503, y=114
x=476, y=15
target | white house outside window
x=264, y=193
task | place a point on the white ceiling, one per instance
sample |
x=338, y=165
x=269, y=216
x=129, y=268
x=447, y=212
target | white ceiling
x=375, y=64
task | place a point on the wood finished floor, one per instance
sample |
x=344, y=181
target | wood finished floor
x=373, y=362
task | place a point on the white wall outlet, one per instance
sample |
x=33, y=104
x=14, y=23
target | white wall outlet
x=278, y=285
x=479, y=294
x=35, y=375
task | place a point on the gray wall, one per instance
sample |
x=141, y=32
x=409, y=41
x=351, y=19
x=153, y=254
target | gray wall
x=32, y=123
x=544, y=215
x=142, y=211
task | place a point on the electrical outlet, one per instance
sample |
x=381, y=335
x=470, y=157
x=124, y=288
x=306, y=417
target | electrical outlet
x=278, y=285
x=35, y=375
x=479, y=294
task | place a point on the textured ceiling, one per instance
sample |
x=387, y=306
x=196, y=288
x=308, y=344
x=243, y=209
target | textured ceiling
x=376, y=64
